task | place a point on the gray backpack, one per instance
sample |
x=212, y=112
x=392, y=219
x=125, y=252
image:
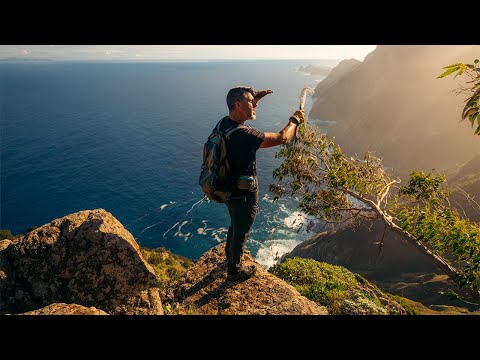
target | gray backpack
x=215, y=178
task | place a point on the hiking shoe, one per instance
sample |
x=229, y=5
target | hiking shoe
x=243, y=274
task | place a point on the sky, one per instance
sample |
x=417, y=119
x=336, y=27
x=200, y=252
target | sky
x=184, y=52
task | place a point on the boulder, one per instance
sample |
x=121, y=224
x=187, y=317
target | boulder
x=86, y=258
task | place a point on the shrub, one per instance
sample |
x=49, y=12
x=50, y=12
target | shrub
x=336, y=288
x=6, y=234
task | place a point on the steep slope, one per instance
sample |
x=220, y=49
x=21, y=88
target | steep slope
x=341, y=291
x=393, y=104
x=396, y=267
x=468, y=180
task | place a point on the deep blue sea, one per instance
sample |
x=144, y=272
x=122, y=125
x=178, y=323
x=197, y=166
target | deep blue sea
x=128, y=138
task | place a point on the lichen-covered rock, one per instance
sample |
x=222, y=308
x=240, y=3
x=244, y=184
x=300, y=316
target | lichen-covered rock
x=204, y=287
x=86, y=258
x=66, y=309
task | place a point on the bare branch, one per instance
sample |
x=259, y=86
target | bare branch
x=385, y=190
x=471, y=200
x=438, y=260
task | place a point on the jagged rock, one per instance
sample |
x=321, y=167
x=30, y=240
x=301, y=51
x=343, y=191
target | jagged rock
x=205, y=288
x=14, y=294
x=86, y=258
x=66, y=309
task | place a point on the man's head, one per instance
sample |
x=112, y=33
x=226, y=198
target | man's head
x=242, y=101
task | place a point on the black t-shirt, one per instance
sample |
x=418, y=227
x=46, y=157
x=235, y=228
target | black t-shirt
x=242, y=148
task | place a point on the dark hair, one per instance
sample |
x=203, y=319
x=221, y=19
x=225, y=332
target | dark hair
x=237, y=94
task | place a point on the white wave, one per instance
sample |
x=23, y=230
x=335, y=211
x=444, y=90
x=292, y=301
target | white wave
x=295, y=220
x=150, y=226
x=272, y=250
x=179, y=232
x=216, y=233
x=197, y=203
x=165, y=233
x=163, y=206
x=203, y=231
x=303, y=224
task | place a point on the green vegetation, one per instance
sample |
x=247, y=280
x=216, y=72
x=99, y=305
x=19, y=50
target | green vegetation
x=338, y=289
x=340, y=189
x=430, y=218
x=6, y=234
x=168, y=268
x=471, y=108
x=171, y=308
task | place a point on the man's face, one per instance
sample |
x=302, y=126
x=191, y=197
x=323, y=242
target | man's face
x=247, y=107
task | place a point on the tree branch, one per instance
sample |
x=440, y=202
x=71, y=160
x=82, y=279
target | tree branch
x=437, y=260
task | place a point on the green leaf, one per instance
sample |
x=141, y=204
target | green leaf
x=448, y=72
x=473, y=117
x=477, y=132
x=452, y=295
x=453, y=65
x=472, y=100
x=469, y=112
x=459, y=73
x=477, y=92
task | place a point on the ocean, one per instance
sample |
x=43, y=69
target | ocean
x=128, y=137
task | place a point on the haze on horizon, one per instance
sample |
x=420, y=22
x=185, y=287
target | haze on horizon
x=183, y=52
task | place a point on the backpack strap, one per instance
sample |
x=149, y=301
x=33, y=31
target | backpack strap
x=230, y=130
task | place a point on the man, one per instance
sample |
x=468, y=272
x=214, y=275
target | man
x=242, y=147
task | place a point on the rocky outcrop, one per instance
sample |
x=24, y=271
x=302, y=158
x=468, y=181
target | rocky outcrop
x=86, y=258
x=205, y=288
x=358, y=250
x=394, y=105
x=66, y=309
x=315, y=69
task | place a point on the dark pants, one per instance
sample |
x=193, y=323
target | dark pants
x=242, y=210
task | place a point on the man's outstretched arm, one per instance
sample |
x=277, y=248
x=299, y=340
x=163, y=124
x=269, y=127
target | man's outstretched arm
x=282, y=137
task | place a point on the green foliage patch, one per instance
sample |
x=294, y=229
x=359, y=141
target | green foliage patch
x=338, y=289
x=471, y=109
x=6, y=234
x=168, y=267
